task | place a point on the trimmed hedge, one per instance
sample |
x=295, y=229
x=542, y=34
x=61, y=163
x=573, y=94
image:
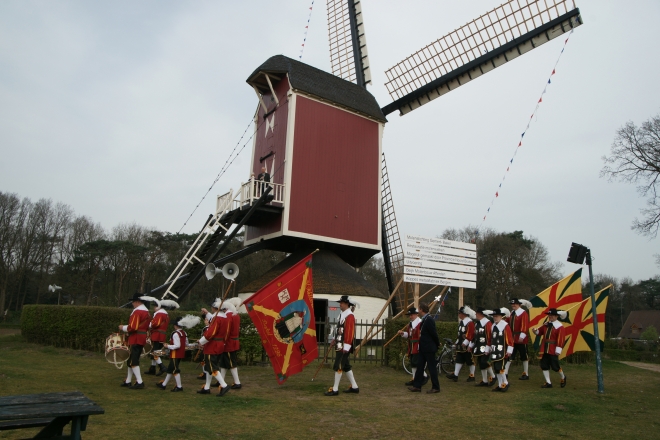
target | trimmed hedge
x=632, y=355
x=399, y=347
x=86, y=328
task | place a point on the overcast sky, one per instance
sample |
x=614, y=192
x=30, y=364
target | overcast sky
x=127, y=110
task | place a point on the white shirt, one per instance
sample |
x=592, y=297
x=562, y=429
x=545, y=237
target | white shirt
x=342, y=318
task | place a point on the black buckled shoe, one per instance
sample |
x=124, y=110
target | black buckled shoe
x=482, y=384
x=160, y=386
x=523, y=377
x=452, y=377
x=236, y=386
x=506, y=388
x=177, y=389
x=203, y=391
x=137, y=386
x=162, y=370
x=546, y=385
x=223, y=391
x=563, y=381
x=151, y=371
x=470, y=379
x=491, y=382
x=331, y=392
x=352, y=390
x=125, y=384
x=497, y=388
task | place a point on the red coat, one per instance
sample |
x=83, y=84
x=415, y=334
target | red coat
x=217, y=334
x=346, y=329
x=233, y=344
x=413, y=337
x=179, y=353
x=519, y=326
x=137, y=327
x=159, y=325
x=554, y=337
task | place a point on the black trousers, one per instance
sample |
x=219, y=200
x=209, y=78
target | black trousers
x=519, y=350
x=134, y=359
x=426, y=358
x=342, y=362
x=549, y=361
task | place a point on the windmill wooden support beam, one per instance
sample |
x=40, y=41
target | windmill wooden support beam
x=467, y=72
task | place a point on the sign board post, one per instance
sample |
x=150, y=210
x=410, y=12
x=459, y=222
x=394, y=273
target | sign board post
x=439, y=262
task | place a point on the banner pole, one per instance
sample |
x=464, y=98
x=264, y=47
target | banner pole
x=594, y=313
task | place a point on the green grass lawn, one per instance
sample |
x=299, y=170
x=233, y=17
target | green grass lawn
x=298, y=409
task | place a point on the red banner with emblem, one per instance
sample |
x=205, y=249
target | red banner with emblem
x=283, y=313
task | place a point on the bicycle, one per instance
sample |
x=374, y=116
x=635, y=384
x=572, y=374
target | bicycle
x=445, y=360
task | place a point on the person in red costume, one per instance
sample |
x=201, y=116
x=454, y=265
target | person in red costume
x=343, y=342
x=465, y=337
x=213, y=342
x=137, y=327
x=158, y=327
x=229, y=360
x=412, y=334
x=552, y=345
x=519, y=323
x=177, y=347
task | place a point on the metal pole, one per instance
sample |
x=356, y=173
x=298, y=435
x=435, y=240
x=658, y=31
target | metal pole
x=594, y=312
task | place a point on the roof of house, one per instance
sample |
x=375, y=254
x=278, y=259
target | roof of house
x=316, y=82
x=641, y=319
x=331, y=276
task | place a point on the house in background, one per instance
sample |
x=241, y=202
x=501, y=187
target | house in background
x=638, y=321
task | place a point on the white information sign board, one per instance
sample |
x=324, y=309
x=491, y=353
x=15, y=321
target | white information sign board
x=437, y=261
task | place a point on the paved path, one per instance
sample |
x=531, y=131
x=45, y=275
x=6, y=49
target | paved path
x=652, y=367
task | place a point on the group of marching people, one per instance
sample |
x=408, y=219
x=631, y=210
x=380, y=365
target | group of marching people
x=219, y=343
x=493, y=344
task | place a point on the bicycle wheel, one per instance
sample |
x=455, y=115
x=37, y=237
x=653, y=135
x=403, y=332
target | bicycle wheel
x=446, y=363
x=406, y=364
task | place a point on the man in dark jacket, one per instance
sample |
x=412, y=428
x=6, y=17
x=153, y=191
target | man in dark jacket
x=428, y=346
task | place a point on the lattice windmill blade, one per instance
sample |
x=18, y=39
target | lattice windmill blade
x=495, y=38
x=348, y=43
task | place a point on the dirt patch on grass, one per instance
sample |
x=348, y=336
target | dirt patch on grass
x=9, y=331
x=651, y=367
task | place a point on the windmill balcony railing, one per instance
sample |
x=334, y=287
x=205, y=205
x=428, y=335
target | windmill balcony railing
x=247, y=194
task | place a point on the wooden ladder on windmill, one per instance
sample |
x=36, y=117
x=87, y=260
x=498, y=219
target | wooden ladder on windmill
x=214, y=231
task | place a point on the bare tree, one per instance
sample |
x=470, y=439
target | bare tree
x=635, y=158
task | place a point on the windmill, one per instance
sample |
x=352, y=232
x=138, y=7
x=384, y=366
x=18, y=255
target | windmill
x=320, y=137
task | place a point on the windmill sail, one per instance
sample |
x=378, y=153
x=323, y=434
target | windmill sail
x=348, y=44
x=506, y=32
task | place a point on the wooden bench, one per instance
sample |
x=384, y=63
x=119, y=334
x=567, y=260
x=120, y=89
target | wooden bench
x=53, y=411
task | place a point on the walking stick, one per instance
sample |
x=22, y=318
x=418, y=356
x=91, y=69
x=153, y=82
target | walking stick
x=325, y=358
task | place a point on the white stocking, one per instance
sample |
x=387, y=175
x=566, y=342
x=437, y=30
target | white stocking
x=546, y=374
x=484, y=376
x=472, y=368
x=337, y=378
x=129, y=377
x=414, y=371
x=218, y=376
x=138, y=376
x=158, y=361
x=561, y=374
x=351, y=378
x=208, y=381
x=177, y=378
x=234, y=374
x=506, y=367
x=526, y=368
x=491, y=373
x=457, y=369
x=223, y=373
x=167, y=379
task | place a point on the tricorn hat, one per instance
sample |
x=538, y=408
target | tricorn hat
x=515, y=301
x=555, y=312
x=466, y=310
x=412, y=311
x=502, y=311
x=345, y=299
x=137, y=296
x=481, y=310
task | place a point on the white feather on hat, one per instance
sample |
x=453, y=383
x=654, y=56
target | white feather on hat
x=237, y=302
x=228, y=306
x=189, y=321
x=354, y=303
x=151, y=299
x=216, y=303
x=488, y=312
x=507, y=312
x=169, y=304
x=468, y=311
x=562, y=314
x=526, y=304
